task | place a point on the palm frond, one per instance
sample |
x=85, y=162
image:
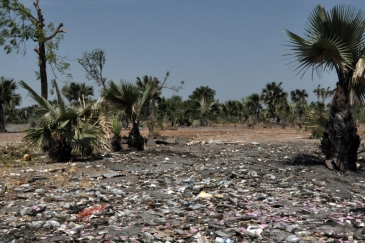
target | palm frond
x=331, y=38
x=60, y=102
x=42, y=102
x=121, y=96
x=37, y=136
x=150, y=90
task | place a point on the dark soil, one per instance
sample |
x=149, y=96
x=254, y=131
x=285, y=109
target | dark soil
x=268, y=185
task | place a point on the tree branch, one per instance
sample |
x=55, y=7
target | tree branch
x=36, y=50
x=58, y=30
x=21, y=9
x=39, y=13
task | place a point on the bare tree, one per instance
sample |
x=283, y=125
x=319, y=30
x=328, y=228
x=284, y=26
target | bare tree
x=93, y=63
x=18, y=25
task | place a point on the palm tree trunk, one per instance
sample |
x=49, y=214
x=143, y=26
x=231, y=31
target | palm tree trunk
x=135, y=139
x=204, y=120
x=151, y=122
x=59, y=148
x=115, y=143
x=2, y=122
x=125, y=121
x=340, y=141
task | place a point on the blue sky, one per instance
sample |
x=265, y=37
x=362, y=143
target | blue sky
x=233, y=46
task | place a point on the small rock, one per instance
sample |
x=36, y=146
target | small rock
x=25, y=211
x=37, y=224
x=222, y=234
x=261, y=196
x=291, y=228
x=281, y=237
x=292, y=238
x=179, y=231
x=54, y=223
x=197, y=206
x=78, y=228
x=40, y=191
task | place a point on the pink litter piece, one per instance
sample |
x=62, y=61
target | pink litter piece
x=193, y=229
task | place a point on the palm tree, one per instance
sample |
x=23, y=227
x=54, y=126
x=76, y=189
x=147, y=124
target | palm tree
x=142, y=84
x=275, y=98
x=203, y=91
x=335, y=40
x=77, y=91
x=116, y=139
x=171, y=109
x=253, y=105
x=318, y=91
x=299, y=96
x=61, y=129
x=128, y=97
x=233, y=110
x=7, y=97
x=329, y=93
x=205, y=106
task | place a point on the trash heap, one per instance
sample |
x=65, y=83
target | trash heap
x=202, y=192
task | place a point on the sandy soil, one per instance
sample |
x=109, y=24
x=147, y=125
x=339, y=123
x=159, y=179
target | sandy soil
x=225, y=133
x=236, y=133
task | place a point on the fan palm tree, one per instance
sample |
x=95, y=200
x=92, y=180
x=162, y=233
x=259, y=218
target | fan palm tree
x=275, y=98
x=299, y=96
x=171, y=109
x=233, y=110
x=253, y=105
x=8, y=98
x=318, y=91
x=335, y=40
x=203, y=91
x=128, y=97
x=205, y=106
x=61, y=129
x=76, y=91
x=142, y=84
x=116, y=139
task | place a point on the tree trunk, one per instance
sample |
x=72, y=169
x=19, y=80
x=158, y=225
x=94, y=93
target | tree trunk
x=340, y=141
x=204, y=120
x=115, y=143
x=59, y=149
x=135, y=139
x=43, y=70
x=2, y=122
x=151, y=122
x=125, y=122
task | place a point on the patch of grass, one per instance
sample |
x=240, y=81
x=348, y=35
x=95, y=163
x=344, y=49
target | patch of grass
x=61, y=180
x=73, y=170
x=12, y=156
x=317, y=132
x=86, y=184
x=18, y=182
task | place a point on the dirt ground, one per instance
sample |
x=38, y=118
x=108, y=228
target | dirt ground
x=238, y=133
x=270, y=178
x=225, y=133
